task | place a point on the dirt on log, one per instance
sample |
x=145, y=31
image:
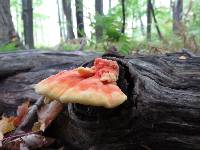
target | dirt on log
x=162, y=111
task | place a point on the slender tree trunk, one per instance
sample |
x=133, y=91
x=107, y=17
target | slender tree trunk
x=59, y=21
x=177, y=14
x=98, y=11
x=123, y=16
x=141, y=25
x=79, y=18
x=64, y=22
x=156, y=22
x=110, y=4
x=149, y=20
x=68, y=13
x=7, y=30
x=28, y=23
x=17, y=19
x=42, y=30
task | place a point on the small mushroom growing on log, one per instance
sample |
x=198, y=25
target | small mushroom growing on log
x=94, y=86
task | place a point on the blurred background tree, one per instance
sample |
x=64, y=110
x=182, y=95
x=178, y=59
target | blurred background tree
x=7, y=31
x=66, y=4
x=131, y=26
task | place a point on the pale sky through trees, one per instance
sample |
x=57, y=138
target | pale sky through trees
x=50, y=27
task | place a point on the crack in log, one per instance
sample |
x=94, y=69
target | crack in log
x=9, y=73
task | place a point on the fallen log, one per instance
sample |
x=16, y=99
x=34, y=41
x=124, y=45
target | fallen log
x=162, y=111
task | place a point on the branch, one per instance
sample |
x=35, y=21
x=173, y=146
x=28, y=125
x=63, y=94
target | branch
x=189, y=9
x=155, y=21
x=31, y=117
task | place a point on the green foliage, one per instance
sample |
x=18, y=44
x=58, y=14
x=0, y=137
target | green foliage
x=37, y=3
x=15, y=3
x=193, y=20
x=8, y=47
x=135, y=8
x=69, y=47
x=110, y=25
x=125, y=45
x=134, y=39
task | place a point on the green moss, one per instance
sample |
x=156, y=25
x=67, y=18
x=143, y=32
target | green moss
x=8, y=47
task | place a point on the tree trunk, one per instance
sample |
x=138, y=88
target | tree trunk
x=177, y=14
x=110, y=4
x=79, y=18
x=60, y=22
x=98, y=11
x=141, y=24
x=7, y=30
x=68, y=13
x=27, y=16
x=149, y=20
x=123, y=16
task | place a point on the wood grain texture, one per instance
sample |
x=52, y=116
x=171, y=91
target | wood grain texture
x=162, y=111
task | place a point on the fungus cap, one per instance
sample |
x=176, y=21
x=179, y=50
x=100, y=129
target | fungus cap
x=94, y=86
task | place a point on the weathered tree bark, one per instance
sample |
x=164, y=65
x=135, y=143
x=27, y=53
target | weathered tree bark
x=68, y=13
x=177, y=10
x=7, y=30
x=98, y=11
x=27, y=16
x=79, y=18
x=149, y=20
x=162, y=111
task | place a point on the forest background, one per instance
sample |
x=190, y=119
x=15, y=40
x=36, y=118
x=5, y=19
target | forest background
x=131, y=26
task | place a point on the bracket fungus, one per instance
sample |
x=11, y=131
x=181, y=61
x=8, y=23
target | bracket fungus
x=94, y=86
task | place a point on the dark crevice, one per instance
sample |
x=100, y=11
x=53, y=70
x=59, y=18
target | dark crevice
x=10, y=73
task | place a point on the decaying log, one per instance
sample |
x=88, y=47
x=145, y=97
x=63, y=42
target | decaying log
x=162, y=111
